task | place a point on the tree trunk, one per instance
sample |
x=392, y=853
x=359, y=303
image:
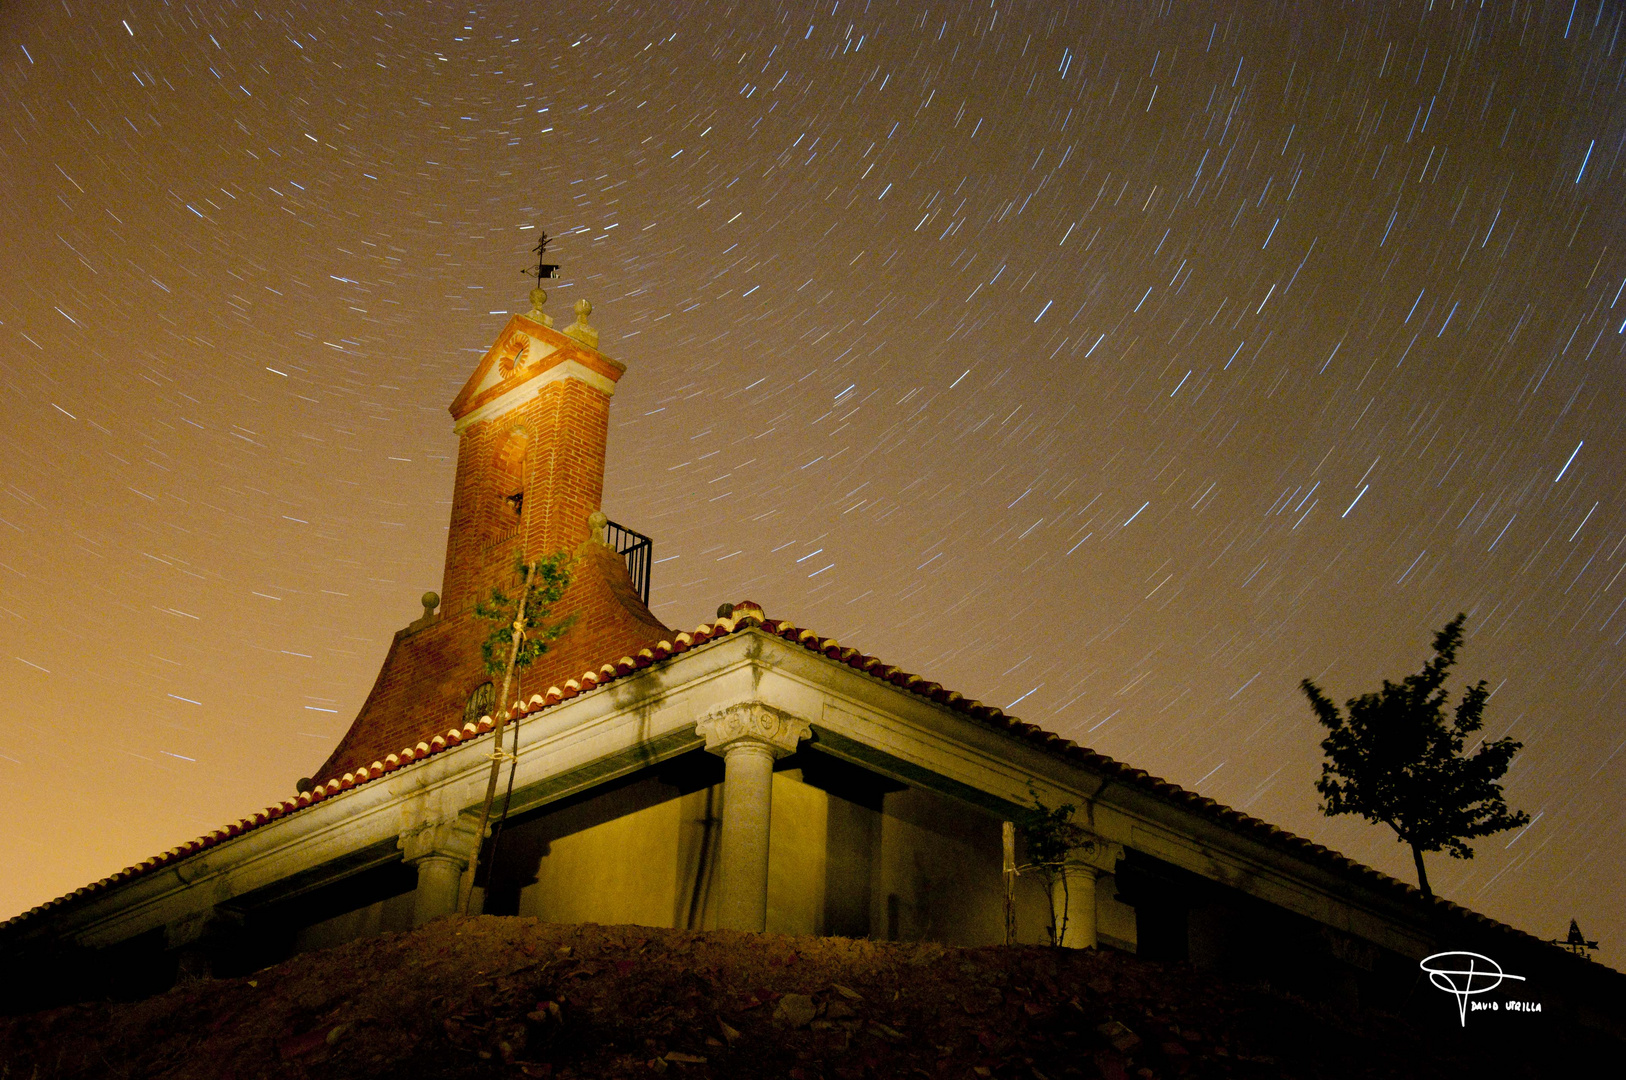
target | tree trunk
x=1060, y=904
x=467, y=890
x=1422, y=875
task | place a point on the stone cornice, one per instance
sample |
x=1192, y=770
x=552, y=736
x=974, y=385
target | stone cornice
x=525, y=391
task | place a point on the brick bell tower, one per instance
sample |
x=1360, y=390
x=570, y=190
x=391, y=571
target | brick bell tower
x=532, y=423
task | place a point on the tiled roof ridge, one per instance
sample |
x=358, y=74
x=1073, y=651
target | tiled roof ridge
x=748, y=614
x=589, y=680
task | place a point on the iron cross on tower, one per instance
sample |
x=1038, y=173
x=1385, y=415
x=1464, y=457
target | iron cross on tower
x=543, y=269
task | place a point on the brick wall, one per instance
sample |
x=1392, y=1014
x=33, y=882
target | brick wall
x=552, y=447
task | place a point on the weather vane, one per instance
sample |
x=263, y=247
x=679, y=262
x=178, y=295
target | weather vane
x=1576, y=942
x=543, y=269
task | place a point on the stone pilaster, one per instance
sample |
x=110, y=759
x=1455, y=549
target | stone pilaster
x=200, y=940
x=749, y=737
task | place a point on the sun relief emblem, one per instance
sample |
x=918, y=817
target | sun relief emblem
x=516, y=354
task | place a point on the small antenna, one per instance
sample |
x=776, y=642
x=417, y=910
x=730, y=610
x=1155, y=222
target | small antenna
x=543, y=269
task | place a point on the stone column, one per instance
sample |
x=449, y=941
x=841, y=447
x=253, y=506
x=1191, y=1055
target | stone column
x=441, y=851
x=1096, y=856
x=749, y=737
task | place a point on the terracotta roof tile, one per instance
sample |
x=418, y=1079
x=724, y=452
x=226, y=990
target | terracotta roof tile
x=748, y=614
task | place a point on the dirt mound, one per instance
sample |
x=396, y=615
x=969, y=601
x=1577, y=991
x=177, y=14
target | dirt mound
x=510, y=997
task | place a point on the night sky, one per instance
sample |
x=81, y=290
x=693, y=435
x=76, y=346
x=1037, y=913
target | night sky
x=1120, y=365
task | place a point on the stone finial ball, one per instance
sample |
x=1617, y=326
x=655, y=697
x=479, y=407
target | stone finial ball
x=430, y=602
x=583, y=309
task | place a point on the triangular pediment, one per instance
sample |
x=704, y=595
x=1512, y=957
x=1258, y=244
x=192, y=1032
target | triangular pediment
x=527, y=351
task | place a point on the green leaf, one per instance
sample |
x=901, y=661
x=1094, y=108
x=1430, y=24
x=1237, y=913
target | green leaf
x=550, y=577
x=1395, y=757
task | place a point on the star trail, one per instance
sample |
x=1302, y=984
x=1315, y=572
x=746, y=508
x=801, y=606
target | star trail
x=1119, y=364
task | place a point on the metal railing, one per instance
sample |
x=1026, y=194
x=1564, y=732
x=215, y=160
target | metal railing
x=638, y=550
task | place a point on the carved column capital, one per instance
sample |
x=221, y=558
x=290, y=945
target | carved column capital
x=1096, y=855
x=452, y=839
x=752, y=723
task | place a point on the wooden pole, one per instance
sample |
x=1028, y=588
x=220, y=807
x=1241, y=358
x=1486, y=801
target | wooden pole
x=497, y=754
x=1009, y=837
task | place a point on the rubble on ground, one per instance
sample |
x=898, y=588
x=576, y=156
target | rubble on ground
x=514, y=997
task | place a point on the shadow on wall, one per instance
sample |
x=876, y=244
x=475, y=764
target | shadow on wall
x=853, y=854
